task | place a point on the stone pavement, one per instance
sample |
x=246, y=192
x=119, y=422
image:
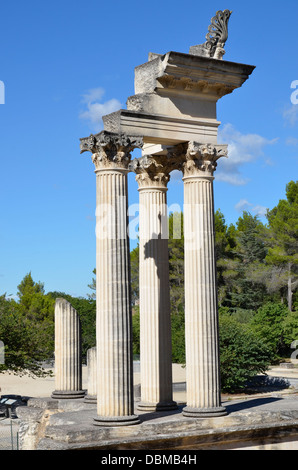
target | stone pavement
x=269, y=419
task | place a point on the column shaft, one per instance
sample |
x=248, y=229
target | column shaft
x=113, y=321
x=155, y=318
x=201, y=316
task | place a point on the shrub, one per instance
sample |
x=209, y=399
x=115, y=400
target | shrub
x=268, y=322
x=243, y=355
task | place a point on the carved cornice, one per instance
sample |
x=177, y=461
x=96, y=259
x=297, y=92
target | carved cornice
x=205, y=87
x=110, y=150
x=201, y=159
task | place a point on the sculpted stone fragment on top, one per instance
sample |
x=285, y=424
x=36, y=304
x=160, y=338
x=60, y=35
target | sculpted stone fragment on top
x=216, y=37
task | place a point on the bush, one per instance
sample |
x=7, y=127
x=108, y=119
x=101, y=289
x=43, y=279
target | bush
x=243, y=355
x=269, y=322
x=290, y=329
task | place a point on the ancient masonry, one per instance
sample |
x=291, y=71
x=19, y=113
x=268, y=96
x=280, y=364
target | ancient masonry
x=68, y=358
x=172, y=118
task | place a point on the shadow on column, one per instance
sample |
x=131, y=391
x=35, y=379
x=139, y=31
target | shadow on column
x=151, y=250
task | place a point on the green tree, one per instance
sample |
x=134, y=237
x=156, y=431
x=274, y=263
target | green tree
x=225, y=242
x=23, y=341
x=134, y=269
x=92, y=286
x=178, y=338
x=136, y=331
x=176, y=262
x=283, y=245
x=37, y=309
x=247, y=266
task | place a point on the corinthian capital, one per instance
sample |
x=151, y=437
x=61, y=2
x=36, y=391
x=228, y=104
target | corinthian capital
x=149, y=172
x=110, y=150
x=201, y=159
x=154, y=170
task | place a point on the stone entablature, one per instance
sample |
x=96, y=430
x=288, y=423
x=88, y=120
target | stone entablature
x=175, y=98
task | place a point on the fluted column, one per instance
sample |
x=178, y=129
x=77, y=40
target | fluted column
x=155, y=316
x=115, y=401
x=68, y=365
x=91, y=396
x=201, y=312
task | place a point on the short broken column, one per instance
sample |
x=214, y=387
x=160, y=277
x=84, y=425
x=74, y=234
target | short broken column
x=91, y=396
x=68, y=357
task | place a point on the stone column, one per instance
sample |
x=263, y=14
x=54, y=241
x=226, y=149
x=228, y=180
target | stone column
x=115, y=401
x=91, y=396
x=68, y=364
x=201, y=314
x=155, y=317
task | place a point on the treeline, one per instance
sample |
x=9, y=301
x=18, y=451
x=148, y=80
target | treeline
x=257, y=269
x=27, y=327
x=256, y=262
x=257, y=277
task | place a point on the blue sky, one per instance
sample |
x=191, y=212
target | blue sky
x=65, y=63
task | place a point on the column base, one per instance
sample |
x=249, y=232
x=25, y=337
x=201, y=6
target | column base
x=69, y=394
x=116, y=420
x=162, y=406
x=204, y=412
x=90, y=399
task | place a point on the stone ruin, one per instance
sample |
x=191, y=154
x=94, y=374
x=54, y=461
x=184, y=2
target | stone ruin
x=172, y=118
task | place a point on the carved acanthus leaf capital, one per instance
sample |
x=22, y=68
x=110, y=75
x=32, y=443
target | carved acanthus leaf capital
x=154, y=170
x=110, y=150
x=201, y=159
x=150, y=172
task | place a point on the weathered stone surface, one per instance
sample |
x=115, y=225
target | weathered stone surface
x=252, y=422
x=68, y=358
x=162, y=129
x=187, y=72
x=175, y=98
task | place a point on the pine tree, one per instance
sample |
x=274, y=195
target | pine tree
x=247, y=290
x=283, y=251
